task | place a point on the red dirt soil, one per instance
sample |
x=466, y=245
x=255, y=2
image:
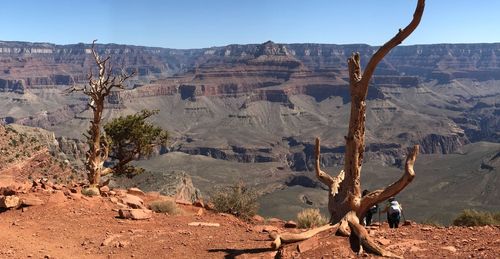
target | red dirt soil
x=73, y=227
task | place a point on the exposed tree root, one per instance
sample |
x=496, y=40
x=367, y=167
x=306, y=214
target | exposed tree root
x=284, y=238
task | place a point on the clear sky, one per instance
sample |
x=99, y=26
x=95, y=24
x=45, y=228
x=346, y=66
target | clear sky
x=206, y=23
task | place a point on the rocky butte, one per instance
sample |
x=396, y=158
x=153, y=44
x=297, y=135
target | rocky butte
x=258, y=107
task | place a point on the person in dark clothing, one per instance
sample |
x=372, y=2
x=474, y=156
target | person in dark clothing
x=370, y=212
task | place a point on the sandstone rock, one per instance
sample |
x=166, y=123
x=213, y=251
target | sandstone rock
x=104, y=189
x=262, y=255
x=450, y=248
x=31, y=201
x=291, y=224
x=133, y=201
x=8, y=202
x=136, y=214
x=109, y=240
x=135, y=191
x=204, y=224
x=200, y=212
x=258, y=218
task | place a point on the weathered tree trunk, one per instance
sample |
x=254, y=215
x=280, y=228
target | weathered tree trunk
x=345, y=204
x=98, y=89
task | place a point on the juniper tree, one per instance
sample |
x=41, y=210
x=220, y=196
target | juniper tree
x=133, y=137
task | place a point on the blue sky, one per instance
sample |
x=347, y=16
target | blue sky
x=206, y=23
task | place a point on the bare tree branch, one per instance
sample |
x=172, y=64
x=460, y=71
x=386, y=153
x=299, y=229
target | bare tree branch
x=396, y=40
x=322, y=176
x=378, y=196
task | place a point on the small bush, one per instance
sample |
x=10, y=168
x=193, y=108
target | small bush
x=164, y=206
x=91, y=191
x=237, y=199
x=476, y=218
x=310, y=218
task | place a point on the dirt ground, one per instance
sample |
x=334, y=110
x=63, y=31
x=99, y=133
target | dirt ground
x=73, y=227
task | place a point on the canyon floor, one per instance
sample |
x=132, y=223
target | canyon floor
x=74, y=226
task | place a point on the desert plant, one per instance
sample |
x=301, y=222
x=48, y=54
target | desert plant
x=310, y=218
x=132, y=137
x=164, y=206
x=238, y=199
x=472, y=217
x=91, y=191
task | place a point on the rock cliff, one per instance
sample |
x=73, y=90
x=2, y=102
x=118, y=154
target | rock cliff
x=266, y=102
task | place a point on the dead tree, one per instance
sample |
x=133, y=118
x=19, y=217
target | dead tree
x=345, y=204
x=98, y=89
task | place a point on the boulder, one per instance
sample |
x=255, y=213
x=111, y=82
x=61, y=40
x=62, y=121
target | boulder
x=135, y=191
x=8, y=202
x=109, y=240
x=132, y=201
x=136, y=214
x=31, y=201
x=104, y=189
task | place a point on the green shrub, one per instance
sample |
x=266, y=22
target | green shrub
x=164, y=206
x=238, y=199
x=310, y=218
x=476, y=218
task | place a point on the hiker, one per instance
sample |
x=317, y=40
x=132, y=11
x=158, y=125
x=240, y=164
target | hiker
x=369, y=214
x=393, y=210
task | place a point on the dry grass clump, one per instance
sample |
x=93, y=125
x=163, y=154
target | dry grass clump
x=238, y=199
x=310, y=218
x=164, y=206
x=477, y=218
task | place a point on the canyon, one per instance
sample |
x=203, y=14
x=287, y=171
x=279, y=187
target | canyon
x=259, y=106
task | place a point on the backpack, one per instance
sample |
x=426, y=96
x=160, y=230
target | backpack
x=394, y=208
